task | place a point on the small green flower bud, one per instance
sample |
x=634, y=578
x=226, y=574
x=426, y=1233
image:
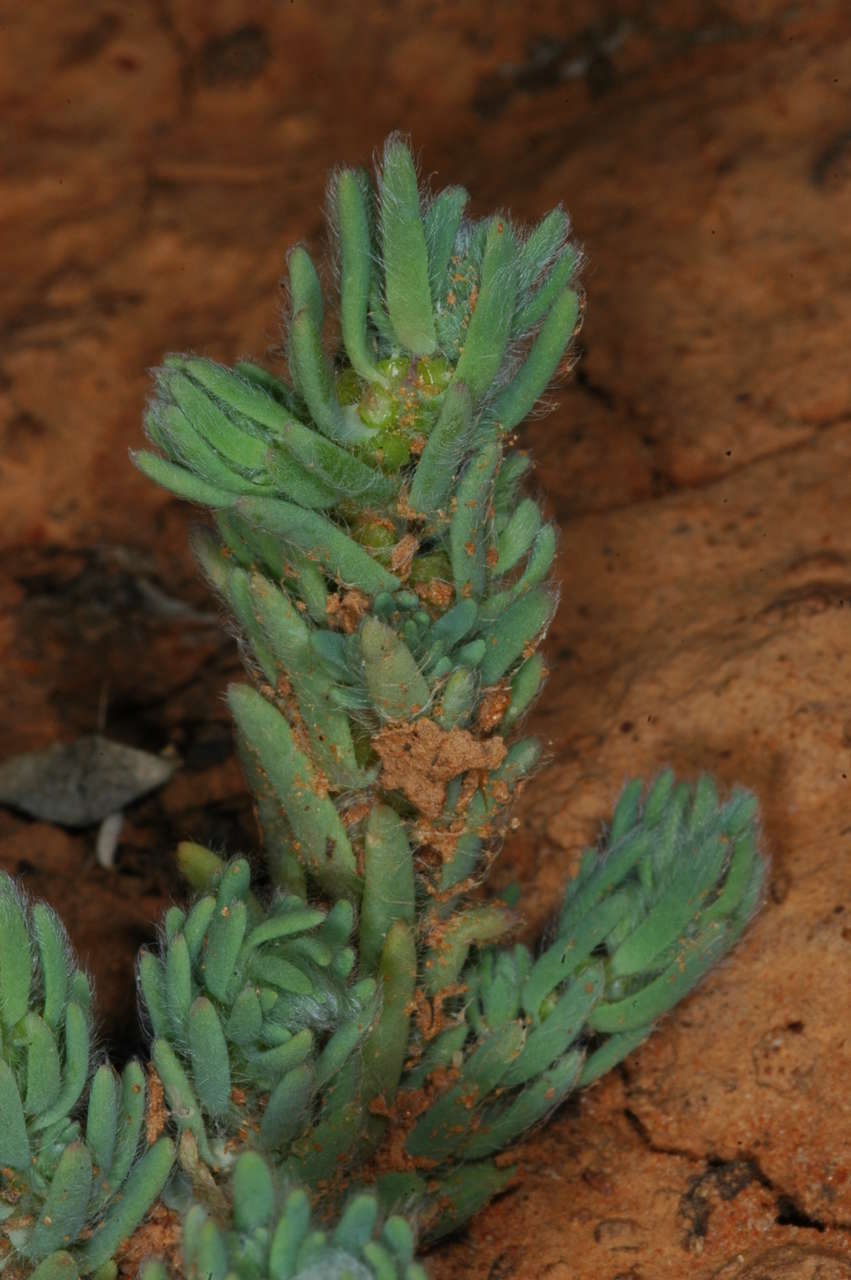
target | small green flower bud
x=431, y=566
x=374, y=533
x=378, y=409
x=434, y=374
x=394, y=368
x=390, y=450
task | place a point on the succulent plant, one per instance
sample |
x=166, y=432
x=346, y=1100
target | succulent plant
x=236, y=1001
x=73, y=1172
x=266, y=1236
x=362, y=1038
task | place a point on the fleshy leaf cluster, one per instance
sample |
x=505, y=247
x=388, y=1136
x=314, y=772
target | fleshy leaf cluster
x=343, y=1042
x=75, y=1172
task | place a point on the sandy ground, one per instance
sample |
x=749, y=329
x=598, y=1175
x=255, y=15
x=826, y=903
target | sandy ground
x=159, y=160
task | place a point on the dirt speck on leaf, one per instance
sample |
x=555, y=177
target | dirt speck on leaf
x=419, y=759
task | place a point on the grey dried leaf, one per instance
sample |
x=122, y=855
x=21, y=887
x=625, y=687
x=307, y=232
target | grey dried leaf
x=79, y=783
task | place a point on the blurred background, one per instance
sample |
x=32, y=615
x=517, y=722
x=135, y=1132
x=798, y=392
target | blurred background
x=159, y=158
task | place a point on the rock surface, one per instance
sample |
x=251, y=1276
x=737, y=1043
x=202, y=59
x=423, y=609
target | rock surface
x=160, y=159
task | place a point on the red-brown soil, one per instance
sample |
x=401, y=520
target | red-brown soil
x=159, y=160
